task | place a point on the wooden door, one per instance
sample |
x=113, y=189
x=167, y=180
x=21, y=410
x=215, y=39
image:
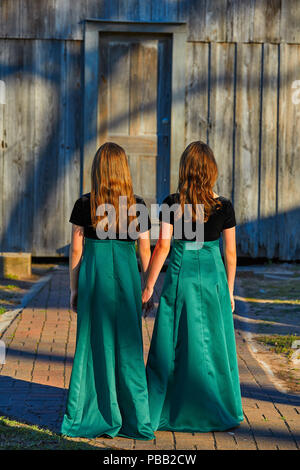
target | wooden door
x=134, y=106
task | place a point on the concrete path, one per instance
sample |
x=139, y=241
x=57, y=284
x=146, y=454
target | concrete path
x=40, y=347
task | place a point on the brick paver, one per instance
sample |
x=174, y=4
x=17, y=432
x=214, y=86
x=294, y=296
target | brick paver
x=40, y=347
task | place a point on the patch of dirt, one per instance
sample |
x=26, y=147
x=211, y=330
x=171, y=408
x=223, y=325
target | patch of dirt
x=271, y=294
x=13, y=290
x=285, y=372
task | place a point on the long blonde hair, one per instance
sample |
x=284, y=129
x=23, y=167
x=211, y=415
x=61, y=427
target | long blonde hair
x=198, y=173
x=110, y=178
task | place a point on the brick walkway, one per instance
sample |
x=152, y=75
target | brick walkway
x=33, y=382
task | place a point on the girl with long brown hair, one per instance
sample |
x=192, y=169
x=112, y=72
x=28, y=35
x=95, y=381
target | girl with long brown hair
x=192, y=371
x=108, y=388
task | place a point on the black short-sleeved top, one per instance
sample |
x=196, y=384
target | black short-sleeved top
x=81, y=215
x=220, y=219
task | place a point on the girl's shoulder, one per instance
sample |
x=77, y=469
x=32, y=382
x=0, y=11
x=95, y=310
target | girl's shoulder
x=139, y=199
x=226, y=212
x=81, y=211
x=171, y=199
x=85, y=198
x=226, y=203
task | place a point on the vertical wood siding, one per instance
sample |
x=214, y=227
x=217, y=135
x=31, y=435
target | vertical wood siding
x=242, y=59
x=216, y=20
x=239, y=99
x=40, y=134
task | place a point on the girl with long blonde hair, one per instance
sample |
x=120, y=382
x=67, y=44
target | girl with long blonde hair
x=192, y=371
x=108, y=388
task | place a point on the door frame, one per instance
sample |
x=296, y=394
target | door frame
x=92, y=30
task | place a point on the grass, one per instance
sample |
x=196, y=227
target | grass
x=10, y=287
x=2, y=310
x=11, y=276
x=18, y=436
x=280, y=344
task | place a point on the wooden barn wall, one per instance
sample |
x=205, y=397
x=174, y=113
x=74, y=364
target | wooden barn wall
x=242, y=59
x=40, y=143
x=207, y=20
x=239, y=98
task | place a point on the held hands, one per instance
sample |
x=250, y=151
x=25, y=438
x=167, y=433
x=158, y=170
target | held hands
x=147, y=300
x=73, y=301
x=147, y=294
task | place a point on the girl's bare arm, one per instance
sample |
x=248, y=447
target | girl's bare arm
x=75, y=255
x=229, y=250
x=144, y=252
x=159, y=256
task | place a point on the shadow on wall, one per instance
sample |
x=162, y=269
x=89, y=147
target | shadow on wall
x=223, y=20
x=44, y=145
x=274, y=237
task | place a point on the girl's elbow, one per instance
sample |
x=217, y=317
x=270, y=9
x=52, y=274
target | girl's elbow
x=145, y=252
x=75, y=252
x=230, y=256
x=163, y=247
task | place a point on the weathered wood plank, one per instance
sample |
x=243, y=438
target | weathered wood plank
x=47, y=196
x=158, y=10
x=112, y=10
x=195, y=21
x=136, y=143
x=206, y=20
x=246, y=174
x=18, y=140
x=240, y=20
x=233, y=20
x=135, y=92
x=38, y=19
x=42, y=132
x=289, y=21
x=149, y=87
x=9, y=64
x=221, y=21
x=135, y=170
x=163, y=118
x=196, y=106
x=268, y=238
x=266, y=21
x=133, y=10
x=178, y=106
x=172, y=7
x=67, y=18
x=95, y=8
x=9, y=19
x=288, y=219
x=144, y=10
x=2, y=141
x=119, y=79
x=222, y=114
x=148, y=178
x=102, y=112
x=90, y=103
x=71, y=121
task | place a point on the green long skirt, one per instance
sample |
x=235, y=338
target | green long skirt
x=108, y=388
x=192, y=370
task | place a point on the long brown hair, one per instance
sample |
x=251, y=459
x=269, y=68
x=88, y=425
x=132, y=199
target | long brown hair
x=198, y=173
x=110, y=178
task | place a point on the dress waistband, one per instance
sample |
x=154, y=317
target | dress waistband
x=194, y=245
x=94, y=240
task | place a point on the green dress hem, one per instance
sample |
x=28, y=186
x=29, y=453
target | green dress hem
x=108, y=387
x=192, y=369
